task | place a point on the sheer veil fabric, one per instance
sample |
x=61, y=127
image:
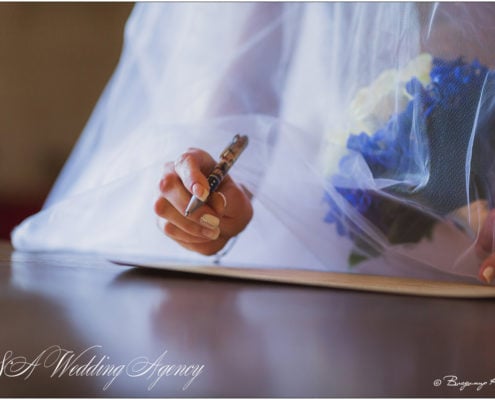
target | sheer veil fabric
x=299, y=79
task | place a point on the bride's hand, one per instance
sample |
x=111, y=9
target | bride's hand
x=207, y=229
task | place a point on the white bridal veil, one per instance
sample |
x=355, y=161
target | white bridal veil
x=370, y=129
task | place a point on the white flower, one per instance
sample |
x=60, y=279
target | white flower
x=374, y=105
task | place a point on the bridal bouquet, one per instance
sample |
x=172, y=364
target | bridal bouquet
x=414, y=154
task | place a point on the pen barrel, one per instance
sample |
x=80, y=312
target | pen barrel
x=234, y=150
x=214, y=181
x=228, y=157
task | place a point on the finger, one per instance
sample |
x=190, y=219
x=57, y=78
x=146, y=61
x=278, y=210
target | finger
x=487, y=270
x=206, y=227
x=236, y=198
x=173, y=190
x=218, y=202
x=486, y=237
x=207, y=249
x=177, y=234
x=238, y=210
x=192, y=168
x=175, y=193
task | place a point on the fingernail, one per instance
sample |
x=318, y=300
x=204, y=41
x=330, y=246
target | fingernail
x=488, y=274
x=200, y=192
x=210, y=221
x=211, y=233
x=223, y=198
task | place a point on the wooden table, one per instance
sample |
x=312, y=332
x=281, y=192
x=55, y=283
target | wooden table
x=127, y=332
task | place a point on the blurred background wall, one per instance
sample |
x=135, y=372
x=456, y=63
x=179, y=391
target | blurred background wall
x=55, y=59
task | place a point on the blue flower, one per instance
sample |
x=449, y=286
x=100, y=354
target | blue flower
x=359, y=199
x=388, y=152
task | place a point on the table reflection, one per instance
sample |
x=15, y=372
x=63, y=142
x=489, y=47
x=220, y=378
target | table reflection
x=254, y=339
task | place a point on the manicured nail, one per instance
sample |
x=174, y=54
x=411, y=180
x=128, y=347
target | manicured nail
x=200, y=192
x=212, y=234
x=488, y=274
x=210, y=221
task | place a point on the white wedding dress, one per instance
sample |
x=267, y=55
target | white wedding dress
x=286, y=75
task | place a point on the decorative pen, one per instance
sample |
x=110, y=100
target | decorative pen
x=228, y=157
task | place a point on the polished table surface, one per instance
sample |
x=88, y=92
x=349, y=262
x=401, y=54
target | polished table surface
x=76, y=325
